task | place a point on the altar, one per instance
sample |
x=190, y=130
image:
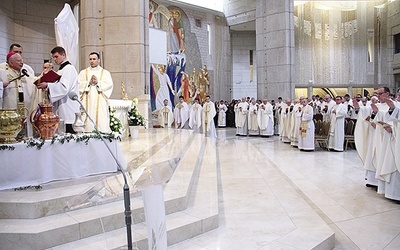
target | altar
x=29, y=166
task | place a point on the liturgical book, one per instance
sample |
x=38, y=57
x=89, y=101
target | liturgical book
x=50, y=76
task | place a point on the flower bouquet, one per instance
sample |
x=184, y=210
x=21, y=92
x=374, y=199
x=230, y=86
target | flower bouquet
x=115, y=123
x=134, y=116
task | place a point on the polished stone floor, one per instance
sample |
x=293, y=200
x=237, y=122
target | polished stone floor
x=267, y=188
x=254, y=193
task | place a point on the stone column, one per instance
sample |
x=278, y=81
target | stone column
x=275, y=49
x=222, y=82
x=119, y=30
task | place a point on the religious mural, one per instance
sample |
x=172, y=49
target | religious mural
x=183, y=75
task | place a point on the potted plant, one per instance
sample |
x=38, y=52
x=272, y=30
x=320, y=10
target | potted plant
x=135, y=119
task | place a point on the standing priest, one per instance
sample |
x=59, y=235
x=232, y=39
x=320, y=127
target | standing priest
x=307, y=129
x=336, y=131
x=241, y=119
x=208, y=114
x=266, y=118
x=95, y=88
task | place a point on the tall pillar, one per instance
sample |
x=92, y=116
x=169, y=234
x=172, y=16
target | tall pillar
x=275, y=49
x=119, y=30
x=222, y=82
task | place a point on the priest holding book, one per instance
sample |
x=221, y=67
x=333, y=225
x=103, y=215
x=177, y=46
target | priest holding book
x=58, y=90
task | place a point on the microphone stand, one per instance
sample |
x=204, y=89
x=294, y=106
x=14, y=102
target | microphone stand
x=127, y=199
x=17, y=78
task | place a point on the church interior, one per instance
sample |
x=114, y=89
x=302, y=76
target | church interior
x=229, y=192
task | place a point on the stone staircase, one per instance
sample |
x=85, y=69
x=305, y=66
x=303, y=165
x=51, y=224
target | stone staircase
x=37, y=219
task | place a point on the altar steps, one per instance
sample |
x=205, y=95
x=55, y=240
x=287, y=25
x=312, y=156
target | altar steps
x=200, y=215
x=52, y=197
x=85, y=227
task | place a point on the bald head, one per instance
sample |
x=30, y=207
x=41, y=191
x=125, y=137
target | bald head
x=15, y=62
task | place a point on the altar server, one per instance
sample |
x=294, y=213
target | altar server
x=58, y=91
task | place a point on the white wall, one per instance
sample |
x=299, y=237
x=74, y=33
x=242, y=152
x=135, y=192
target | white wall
x=29, y=24
x=242, y=43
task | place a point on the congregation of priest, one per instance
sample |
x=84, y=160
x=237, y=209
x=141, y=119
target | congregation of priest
x=296, y=122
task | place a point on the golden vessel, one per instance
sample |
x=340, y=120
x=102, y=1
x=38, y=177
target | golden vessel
x=10, y=125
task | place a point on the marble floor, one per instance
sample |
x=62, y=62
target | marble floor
x=247, y=193
x=267, y=188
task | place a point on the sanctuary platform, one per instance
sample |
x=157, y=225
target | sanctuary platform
x=227, y=193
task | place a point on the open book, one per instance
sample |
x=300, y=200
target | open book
x=50, y=76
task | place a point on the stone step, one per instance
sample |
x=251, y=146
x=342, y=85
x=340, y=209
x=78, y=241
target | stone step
x=200, y=216
x=86, y=222
x=52, y=197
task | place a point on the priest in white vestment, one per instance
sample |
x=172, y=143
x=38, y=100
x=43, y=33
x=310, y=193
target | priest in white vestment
x=285, y=121
x=165, y=117
x=35, y=95
x=370, y=162
x=390, y=170
x=222, y=114
x=265, y=118
x=295, y=122
x=336, y=130
x=207, y=118
x=307, y=127
x=16, y=89
x=361, y=131
x=195, y=116
x=385, y=164
x=95, y=88
x=181, y=114
x=326, y=107
x=58, y=91
x=241, y=125
x=252, y=118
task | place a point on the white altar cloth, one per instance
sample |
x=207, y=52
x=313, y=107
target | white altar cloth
x=29, y=166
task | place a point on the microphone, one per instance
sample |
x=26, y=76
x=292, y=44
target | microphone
x=73, y=96
x=24, y=72
x=127, y=200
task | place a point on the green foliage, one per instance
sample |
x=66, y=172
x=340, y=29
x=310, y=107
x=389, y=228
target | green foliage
x=115, y=123
x=84, y=137
x=134, y=117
